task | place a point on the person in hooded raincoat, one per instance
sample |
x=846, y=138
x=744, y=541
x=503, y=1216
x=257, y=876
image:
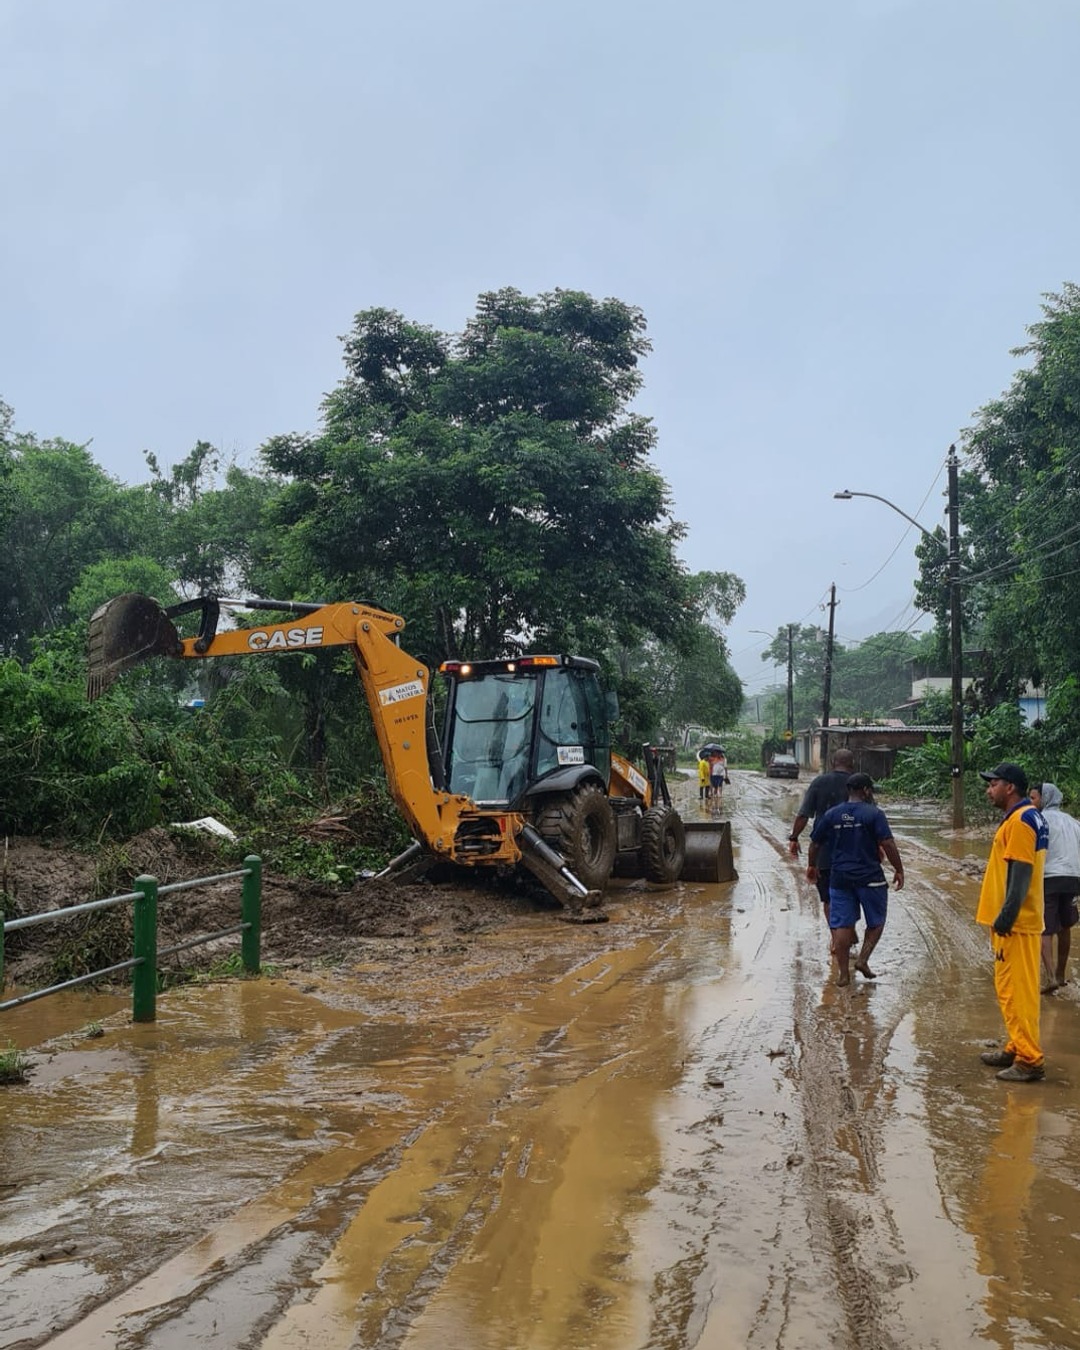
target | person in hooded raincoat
x=1061, y=884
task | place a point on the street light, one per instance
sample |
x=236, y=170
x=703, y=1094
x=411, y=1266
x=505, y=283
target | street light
x=956, y=641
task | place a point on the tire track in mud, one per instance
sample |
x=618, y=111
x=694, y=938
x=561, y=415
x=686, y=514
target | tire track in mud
x=837, y=1074
x=362, y=1261
x=732, y=1186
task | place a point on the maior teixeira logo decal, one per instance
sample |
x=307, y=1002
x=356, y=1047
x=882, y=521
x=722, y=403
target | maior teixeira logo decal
x=400, y=692
x=284, y=639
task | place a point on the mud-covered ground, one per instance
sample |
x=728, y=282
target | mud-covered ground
x=495, y=1130
x=303, y=921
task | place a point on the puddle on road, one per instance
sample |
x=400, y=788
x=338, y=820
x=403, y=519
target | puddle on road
x=63, y=1014
x=927, y=823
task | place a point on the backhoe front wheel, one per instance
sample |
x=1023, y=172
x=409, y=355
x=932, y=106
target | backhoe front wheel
x=581, y=825
x=663, y=844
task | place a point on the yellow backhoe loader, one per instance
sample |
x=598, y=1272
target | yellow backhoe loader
x=524, y=773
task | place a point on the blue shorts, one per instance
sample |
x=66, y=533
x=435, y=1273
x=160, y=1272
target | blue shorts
x=845, y=902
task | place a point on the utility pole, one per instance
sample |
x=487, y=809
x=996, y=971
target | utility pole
x=790, y=701
x=828, y=680
x=956, y=645
x=956, y=631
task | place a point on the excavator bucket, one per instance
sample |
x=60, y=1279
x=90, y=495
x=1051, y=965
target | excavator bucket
x=708, y=852
x=124, y=632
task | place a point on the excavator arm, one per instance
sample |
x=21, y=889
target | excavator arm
x=131, y=629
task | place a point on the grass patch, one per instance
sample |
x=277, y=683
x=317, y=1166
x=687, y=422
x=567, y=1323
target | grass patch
x=14, y=1065
x=229, y=968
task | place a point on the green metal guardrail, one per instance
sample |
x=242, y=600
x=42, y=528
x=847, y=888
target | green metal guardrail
x=143, y=963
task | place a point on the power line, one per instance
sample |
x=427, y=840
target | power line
x=1048, y=481
x=850, y=590
x=1002, y=569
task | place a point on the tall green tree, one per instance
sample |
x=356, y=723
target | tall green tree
x=664, y=688
x=59, y=513
x=214, y=531
x=808, y=647
x=495, y=488
x=1020, y=512
x=873, y=677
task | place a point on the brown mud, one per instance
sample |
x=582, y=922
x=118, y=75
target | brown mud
x=303, y=921
x=452, y=1119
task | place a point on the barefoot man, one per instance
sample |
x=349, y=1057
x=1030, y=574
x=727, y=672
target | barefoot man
x=856, y=833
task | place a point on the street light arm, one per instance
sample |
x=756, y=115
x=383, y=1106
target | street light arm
x=956, y=635
x=846, y=496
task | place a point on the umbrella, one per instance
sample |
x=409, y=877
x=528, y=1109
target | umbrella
x=711, y=748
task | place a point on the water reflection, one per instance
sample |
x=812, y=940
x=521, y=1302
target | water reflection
x=1000, y=1214
x=144, y=1124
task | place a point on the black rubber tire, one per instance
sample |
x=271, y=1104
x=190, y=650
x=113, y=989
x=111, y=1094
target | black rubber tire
x=663, y=844
x=581, y=826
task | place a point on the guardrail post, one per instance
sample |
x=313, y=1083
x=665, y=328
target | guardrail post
x=251, y=914
x=144, y=975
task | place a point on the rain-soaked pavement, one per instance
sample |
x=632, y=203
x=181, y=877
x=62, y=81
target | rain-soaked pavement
x=669, y=1131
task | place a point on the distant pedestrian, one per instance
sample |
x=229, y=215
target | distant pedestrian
x=1011, y=904
x=856, y=833
x=703, y=778
x=718, y=774
x=1061, y=884
x=824, y=791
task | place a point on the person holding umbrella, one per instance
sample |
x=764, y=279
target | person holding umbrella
x=718, y=772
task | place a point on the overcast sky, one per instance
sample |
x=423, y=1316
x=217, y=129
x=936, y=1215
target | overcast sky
x=838, y=219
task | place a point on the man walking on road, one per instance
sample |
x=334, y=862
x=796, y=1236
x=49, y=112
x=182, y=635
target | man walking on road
x=856, y=833
x=1011, y=904
x=825, y=791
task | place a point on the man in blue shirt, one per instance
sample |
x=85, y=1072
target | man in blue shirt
x=855, y=833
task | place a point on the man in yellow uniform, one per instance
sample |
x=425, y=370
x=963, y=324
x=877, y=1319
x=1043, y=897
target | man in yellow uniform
x=1011, y=903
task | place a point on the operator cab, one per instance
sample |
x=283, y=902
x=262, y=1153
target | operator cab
x=510, y=724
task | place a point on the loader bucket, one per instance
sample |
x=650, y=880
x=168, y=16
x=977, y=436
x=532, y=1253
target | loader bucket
x=708, y=852
x=124, y=632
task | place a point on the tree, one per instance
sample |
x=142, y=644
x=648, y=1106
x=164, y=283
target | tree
x=493, y=488
x=873, y=677
x=869, y=679
x=808, y=649
x=663, y=688
x=1018, y=504
x=59, y=513
x=213, y=529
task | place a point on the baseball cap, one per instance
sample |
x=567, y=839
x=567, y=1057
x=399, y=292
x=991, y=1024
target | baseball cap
x=1009, y=773
x=858, y=781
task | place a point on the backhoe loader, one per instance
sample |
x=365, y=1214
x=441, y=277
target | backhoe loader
x=524, y=772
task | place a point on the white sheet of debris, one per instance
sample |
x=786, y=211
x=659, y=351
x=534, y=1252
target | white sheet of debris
x=207, y=823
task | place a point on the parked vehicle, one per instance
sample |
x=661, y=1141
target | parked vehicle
x=782, y=766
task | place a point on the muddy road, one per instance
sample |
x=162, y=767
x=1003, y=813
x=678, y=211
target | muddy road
x=669, y=1131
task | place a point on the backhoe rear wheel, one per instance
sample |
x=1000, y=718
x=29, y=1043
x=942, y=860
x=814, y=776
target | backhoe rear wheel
x=581, y=825
x=663, y=844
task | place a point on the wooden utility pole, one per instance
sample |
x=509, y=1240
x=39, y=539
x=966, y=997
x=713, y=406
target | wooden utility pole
x=828, y=680
x=790, y=694
x=956, y=646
